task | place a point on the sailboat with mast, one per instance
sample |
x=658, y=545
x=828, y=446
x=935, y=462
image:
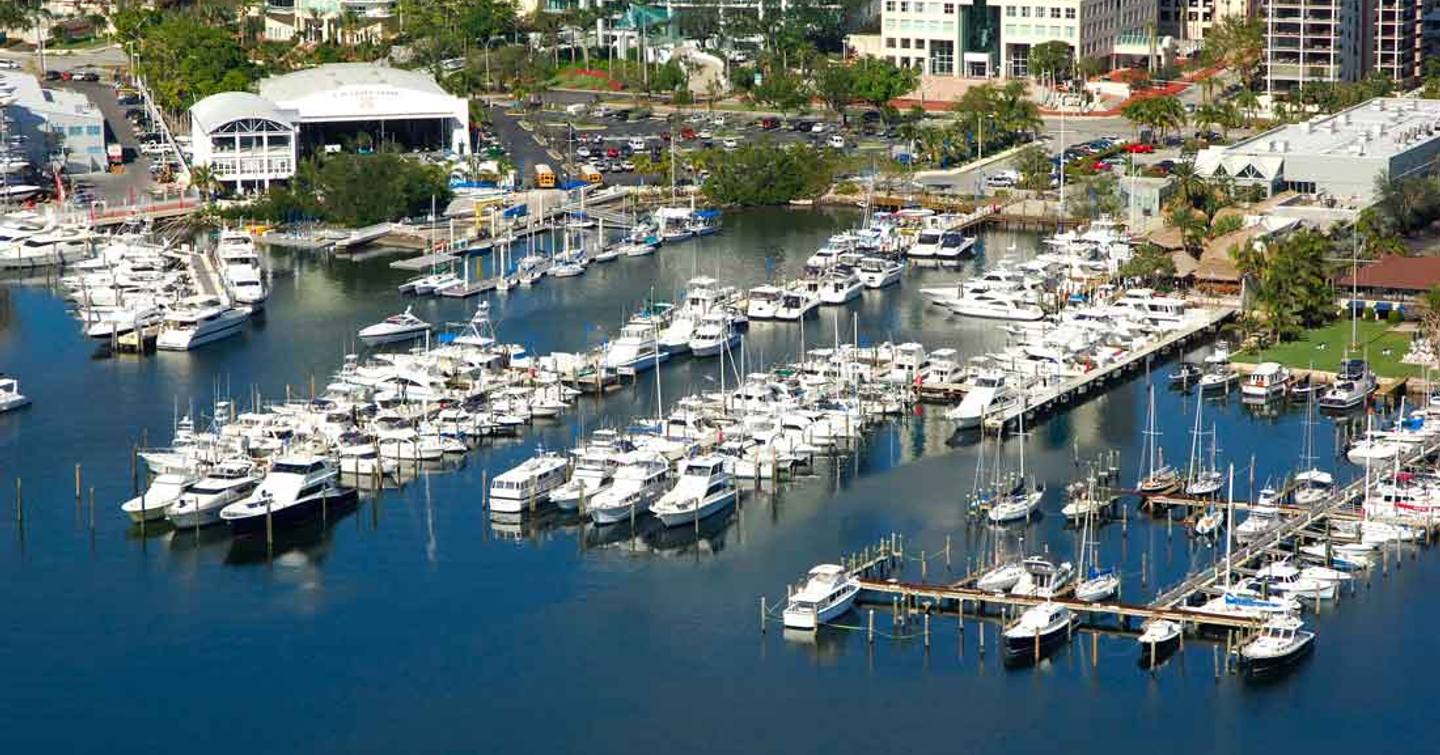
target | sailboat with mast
x=1099, y=584
x=1313, y=484
x=1201, y=480
x=1160, y=478
x=1022, y=498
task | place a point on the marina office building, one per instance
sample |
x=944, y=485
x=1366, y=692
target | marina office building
x=1339, y=156
x=254, y=139
x=59, y=126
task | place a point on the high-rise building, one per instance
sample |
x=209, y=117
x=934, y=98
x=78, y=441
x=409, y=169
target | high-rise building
x=1396, y=39
x=1312, y=41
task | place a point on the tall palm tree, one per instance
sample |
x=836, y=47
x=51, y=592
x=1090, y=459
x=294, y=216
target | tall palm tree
x=204, y=180
x=1249, y=103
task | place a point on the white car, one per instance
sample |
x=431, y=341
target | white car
x=706, y=134
x=1005, y=179
x=582, y=152
x=730, y=144
x=818, y=128
x=637, y=145
x=9, y=65
x=837, y=141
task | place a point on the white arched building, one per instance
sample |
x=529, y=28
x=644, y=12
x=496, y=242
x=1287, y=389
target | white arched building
x=246, y=140
x=336, y=102
x=251, y=140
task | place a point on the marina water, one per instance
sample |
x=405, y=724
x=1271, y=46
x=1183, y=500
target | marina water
x=414, y=625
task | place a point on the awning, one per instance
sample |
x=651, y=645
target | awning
x=518, y=211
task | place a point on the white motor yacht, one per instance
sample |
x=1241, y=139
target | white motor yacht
x=795, y=303
x=395, y=328
x=529, y=484
x=879, y=272
x=164, y=490
x=10, y=396
x=297, y=489
x=955, y=246
x=1043, y=578
x=1282, y=641
x=1158, y=638
x=840, y=287
x=640, y=479
x=636, y=348
x=987, y=392
x=198, y=321
x=995, y=306
x=200, y=505
x=828, y=593
x=926, y=244
x=1353, y=384
x=763, y=301
x=715, y=333
x=1001, y=578
x=1039, y=630
x=704, y=488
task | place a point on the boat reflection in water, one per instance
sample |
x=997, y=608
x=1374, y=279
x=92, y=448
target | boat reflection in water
x=308, y=542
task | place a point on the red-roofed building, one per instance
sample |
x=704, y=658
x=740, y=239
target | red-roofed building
x=1390, y=282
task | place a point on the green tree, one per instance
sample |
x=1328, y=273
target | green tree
x=878, y=81
x=835, y=85
x=1034, y=166
x=1050, y=60
x=184, y=60
x=1150, y=266
x=781, y=90
x=764, y=174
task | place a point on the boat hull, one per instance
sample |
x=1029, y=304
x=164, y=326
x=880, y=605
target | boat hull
x=304, y=511
x=1034, y=648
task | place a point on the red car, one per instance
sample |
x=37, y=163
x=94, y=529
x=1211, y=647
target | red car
x=1099, y=166
x=1139, y=148
x=687, y=133
x=612, y=152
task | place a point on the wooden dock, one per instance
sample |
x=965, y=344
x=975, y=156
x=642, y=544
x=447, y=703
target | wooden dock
x=1042, y=399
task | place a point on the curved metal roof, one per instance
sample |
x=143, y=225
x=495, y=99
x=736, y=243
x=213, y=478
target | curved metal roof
x=219, y=109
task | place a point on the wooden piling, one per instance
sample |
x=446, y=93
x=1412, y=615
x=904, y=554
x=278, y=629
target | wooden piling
x=19, y=502
x=762, y=614
x=872, y=627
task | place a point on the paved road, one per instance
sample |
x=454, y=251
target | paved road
x=135, y=182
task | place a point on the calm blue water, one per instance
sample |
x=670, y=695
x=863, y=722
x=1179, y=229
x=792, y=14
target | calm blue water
x=414, y=625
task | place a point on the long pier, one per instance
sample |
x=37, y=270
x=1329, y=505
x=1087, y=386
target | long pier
x=1044, y=398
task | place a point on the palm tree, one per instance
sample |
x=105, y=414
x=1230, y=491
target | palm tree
x=1249, y=104
x=1190, y=188
x=204, y=180
x=1207, y=115
x=1192, y=229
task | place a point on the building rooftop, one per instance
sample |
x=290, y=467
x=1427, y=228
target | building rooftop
x=1381, y=128
x=334, y=76
x=28, y=94
x=219, y=109
x=1396, y=273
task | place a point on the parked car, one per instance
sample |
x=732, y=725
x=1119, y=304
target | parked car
x=769, y=122
x=637, y=144
x=1139, y=148
x=687, y=133
x=837, y=141
x=730, y=143
x=612, y=152
x=582, y=152
x=818, y=128
x=9, y=65
x=627, y=166
x=1005, y=179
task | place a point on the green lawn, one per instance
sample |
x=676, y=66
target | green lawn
x=1325, y=347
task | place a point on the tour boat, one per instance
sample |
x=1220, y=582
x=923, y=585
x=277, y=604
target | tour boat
x=703, y=488
x=879, y=272
x=827, y=594
x=637, y=483
x=1039, y=630
x=10, y=395
x=395, y=328
x=163, y=492
x=201, y=504
x=296, y=490
x=199, y=321
x=1269, y=380
x=529, y=484
x=1282, y=641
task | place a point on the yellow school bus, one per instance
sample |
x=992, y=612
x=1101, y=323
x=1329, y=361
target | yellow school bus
x=591, y=175
x=544, y=176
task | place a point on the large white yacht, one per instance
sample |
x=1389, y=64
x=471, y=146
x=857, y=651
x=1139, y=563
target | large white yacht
x=640, y=479
x=636, y=348
x=201, y=504
x=199, y=320
x=515, y=490
x=704, y=488
x=828, y=593
x=297, y=489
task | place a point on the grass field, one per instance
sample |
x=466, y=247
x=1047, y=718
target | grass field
x=1325, y=347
